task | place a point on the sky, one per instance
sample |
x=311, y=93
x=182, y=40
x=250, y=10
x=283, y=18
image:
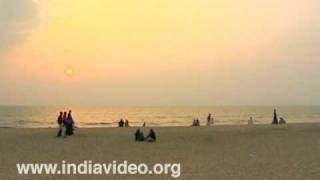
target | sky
x=154, y=53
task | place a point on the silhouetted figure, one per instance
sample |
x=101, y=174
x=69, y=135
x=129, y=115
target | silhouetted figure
x=151, y=136
x=121, y=123
x=139, y=136
x=144, y=124
x=126, y=123
x=282, y=121
x=70, y=125
x=209, y=120
x=275, y=117
x=60, y=123
x=197, y=122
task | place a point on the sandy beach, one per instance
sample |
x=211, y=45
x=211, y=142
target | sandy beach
x=283, y=152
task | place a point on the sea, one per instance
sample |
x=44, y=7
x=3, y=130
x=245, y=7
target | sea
x=89, y=117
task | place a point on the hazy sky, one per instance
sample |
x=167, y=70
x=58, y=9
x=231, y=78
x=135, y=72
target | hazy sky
x=160, y=52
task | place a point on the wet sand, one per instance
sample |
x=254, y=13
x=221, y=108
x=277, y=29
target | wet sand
x=285, y=152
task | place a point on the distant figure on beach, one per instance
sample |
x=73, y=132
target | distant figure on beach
x=151, y=136
x=70, y=124
x=126, y=123
x=195, y=122
x=209, y=120
x=250, y=121
x=139, y=136
x=61, y=126
x=144, y=124
x=282, y=121
x=121, y=123
x=275, y=117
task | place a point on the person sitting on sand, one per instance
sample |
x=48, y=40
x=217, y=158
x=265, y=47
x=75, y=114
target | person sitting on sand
x=282, y=121
x=70, y=125
x=126, y=123
x=139, y=136
x=250, y=121
x=275, y=117
x=60, y=123
x=121, y=123
x=151, y=136
x=195, y=122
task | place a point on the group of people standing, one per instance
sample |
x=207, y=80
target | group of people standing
x=66, y=124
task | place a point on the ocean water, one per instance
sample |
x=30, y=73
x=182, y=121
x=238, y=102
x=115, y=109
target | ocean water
x=33, y=117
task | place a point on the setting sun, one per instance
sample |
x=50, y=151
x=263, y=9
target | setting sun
x=70, y=71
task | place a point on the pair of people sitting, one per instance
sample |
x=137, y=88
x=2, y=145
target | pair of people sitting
x=123, y=123
x=195, y=122
x=139, y=136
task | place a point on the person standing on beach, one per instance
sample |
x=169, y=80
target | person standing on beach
x=64, y=123
x=209, y=120
x=250, y=121
x=60, y=123
x=275, y=117
x=126, y=123
x=70, y=124
x=65, y=118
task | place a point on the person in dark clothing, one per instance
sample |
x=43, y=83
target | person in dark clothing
x=151, y=136
x=60, y=123
x=139, y=136
x=121, y=123
x=275, y=117
x=69, y=125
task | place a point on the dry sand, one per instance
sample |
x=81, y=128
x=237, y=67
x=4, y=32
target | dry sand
x=285, y=152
